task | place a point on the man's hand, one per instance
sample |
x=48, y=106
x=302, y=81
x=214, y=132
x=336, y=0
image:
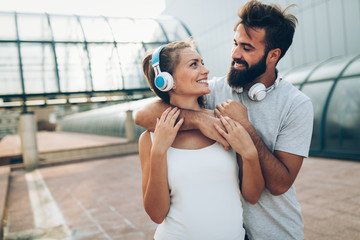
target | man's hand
x=234, y=110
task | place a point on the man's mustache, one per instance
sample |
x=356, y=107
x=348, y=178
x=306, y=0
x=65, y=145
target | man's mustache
x=240, y=61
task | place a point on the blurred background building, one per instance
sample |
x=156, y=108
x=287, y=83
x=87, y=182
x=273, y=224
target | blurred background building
x=82, y=72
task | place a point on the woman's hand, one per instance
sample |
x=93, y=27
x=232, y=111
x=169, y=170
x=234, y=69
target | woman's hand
x=166, y=129
x=237, y=137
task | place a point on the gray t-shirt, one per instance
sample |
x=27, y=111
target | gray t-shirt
x=284, y=121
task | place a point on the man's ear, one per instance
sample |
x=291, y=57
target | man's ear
x=274, y=55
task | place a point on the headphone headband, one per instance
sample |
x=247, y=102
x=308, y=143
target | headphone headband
x=155, y=59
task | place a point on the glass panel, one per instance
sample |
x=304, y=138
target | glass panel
x=317, y=92
x=73, y=67
x=105, y=67
x=96, y=29
x=39, y=68
x=131, y=56
x=342, y=124
x=33, y=27
x=10, y=82
x=331, y=69
x=66, y=28
x=353, y=69
x=148, y=30
x=299, y=74
x=7, y=26
x=151, y=46
x=124, y=30
x=174, y=29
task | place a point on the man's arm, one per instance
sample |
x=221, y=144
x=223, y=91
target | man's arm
x=203, y=120
x=146, y=116
x=279, y=169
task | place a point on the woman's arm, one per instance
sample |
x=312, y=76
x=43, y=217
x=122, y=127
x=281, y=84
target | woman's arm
x=155, y=188
x=252, y=181
x=156, y=198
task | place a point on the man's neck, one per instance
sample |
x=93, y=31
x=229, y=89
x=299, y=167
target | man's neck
x=267, y=78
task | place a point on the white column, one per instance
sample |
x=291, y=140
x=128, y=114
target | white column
x=129, y=126
x=27, y=132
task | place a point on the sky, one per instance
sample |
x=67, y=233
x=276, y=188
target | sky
x=118, y=8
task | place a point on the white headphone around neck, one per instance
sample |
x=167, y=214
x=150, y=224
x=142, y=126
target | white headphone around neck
x=258, y=91
x=163, y=80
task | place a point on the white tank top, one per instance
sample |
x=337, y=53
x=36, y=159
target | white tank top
x=205, y=199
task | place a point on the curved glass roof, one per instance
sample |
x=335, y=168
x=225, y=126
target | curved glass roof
x=334, y=88
x=62, y=55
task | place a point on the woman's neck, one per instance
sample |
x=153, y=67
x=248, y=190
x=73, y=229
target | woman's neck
x=185, y=102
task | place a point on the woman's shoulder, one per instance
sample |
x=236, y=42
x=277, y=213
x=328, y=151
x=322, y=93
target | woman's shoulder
x=145, y=137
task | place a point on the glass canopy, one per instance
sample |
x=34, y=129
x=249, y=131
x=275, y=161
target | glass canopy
x=334, y=88
x=47, y=56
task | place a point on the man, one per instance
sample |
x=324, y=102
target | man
x=277, y=116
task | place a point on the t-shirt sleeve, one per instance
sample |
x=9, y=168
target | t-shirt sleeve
x=210, y=98
x=295, y=134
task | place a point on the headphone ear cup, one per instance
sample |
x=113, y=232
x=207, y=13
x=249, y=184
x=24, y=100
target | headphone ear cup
x=257, y=92
x=164, y=81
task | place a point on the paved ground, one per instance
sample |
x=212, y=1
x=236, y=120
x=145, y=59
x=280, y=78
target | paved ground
x=101, y=199
x=329, y=194
x=10, y=145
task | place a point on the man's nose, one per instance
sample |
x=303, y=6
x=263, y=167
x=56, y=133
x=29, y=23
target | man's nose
x=236, y=53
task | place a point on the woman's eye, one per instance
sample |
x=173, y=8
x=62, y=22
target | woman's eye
x=193, y=64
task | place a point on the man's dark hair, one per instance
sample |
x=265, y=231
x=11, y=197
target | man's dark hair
x=279, y=26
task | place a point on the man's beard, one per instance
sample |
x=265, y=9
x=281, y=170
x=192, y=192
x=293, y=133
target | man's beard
x=240, y=78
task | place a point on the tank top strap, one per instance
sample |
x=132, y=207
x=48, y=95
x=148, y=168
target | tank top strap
x=151, y=135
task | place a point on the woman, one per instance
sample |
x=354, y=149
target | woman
x=190, y=183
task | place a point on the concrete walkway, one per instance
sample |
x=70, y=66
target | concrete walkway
x=101, y=199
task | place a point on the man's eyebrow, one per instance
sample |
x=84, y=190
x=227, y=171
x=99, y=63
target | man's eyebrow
x=247, y=45
x=244, y=44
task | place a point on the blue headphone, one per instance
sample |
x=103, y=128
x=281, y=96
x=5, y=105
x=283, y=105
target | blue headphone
x=163, y=80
